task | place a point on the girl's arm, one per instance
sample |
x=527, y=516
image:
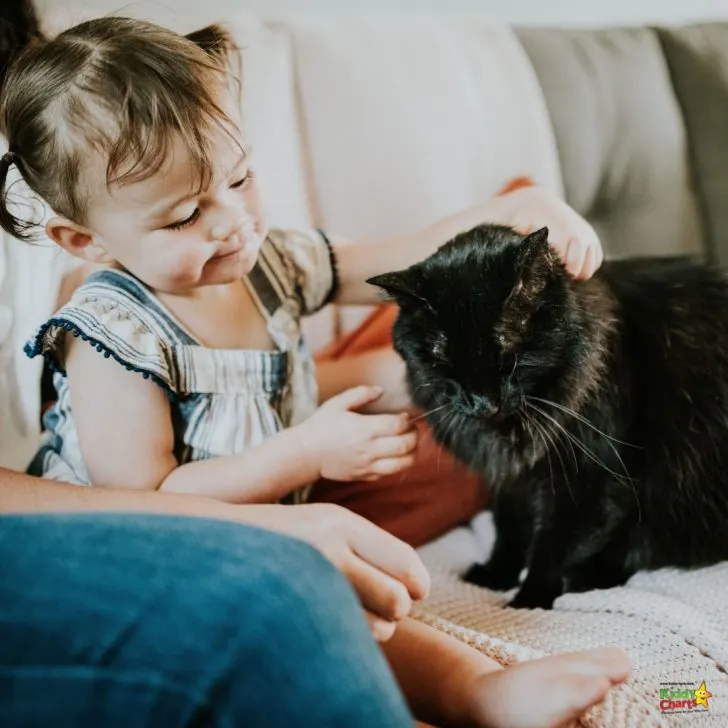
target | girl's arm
x=126, y=439
x=525, y=209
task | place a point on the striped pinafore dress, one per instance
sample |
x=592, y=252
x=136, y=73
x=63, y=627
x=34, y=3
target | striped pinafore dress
x=222, y=400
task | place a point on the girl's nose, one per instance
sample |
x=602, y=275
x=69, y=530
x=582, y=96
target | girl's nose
x=224, y=230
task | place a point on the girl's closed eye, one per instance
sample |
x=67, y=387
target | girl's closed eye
x=188, y=221
x=241, y=182
x=181, y=224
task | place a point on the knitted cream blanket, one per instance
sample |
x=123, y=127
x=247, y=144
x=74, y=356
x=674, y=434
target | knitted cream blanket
x=674, y=625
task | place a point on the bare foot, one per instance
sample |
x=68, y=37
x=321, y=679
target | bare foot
x=549, y=692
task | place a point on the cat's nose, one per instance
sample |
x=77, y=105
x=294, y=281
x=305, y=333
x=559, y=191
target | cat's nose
x=483, y=406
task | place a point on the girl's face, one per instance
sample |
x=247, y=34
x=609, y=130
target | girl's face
x=169, y=236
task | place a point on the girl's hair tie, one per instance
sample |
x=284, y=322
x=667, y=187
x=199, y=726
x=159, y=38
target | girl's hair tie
x=7, y=159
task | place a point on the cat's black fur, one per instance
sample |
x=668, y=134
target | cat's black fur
x=597, y=410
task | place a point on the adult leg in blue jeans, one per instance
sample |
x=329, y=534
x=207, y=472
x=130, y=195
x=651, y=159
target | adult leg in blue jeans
x=126, y=620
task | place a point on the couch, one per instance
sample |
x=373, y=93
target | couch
x=376, y=125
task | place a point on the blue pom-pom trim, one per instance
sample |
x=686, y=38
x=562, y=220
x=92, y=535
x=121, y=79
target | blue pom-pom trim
x=35, y=348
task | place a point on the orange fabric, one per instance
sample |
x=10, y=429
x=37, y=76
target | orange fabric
x=434, y=496
x=374, y=332
x=517, y=183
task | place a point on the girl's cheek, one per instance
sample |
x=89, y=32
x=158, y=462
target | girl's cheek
x=254, y=208
x=186, y=265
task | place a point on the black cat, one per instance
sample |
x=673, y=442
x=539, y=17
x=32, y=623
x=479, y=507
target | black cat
x=597, y=410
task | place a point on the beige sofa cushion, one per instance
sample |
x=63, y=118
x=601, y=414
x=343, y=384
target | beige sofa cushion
x=407, y=120
x=620, y=136
x=698, y=60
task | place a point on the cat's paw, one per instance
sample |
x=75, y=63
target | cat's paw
x=534, y=598
x=488, y=577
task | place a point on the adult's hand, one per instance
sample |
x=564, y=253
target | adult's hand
x=386, y=573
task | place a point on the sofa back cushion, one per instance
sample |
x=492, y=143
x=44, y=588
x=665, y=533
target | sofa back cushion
x=620, y=135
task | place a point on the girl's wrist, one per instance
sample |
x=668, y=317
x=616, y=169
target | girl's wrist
x=303, y=452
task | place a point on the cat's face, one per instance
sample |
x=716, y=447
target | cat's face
x=486, y=323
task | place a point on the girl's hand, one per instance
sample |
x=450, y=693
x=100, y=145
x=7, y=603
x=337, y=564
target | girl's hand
x=570, y=235
x=346, y=445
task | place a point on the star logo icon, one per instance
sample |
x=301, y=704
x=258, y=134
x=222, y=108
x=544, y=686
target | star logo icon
x=702, y=695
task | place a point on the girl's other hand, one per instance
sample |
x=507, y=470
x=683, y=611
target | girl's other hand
x=346, y=445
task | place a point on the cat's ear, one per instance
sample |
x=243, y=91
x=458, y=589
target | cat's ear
x=399, y=285
x=537, y=265
x=534, y=249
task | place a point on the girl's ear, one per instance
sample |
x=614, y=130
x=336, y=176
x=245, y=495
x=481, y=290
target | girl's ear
x=76, y=240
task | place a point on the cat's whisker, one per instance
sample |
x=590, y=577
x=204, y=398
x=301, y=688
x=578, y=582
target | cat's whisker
x=421, y=386
x=440, y=446
x=562, y=431
x=453, y=423
x=513, y=371
x=555, y=440
x=620, y=478
x=558, y=442
x=539, y=431
x=581, y=418
x=448, y=413
x=609, y=439
x=532, y=424
x=560, y=438
x=576, y=441
x=432, y=412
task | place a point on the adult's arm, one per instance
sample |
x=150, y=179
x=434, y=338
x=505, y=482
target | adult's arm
x=386, y=573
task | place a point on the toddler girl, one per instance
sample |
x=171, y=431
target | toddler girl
x=179, y=363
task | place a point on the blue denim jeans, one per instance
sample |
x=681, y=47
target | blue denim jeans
x=125, y=621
